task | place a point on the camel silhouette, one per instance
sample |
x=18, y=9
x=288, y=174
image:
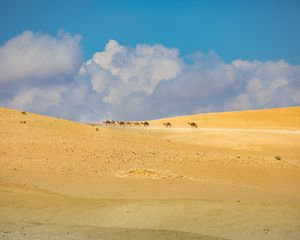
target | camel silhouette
x=146, y=124
x=121, y=123
x=106, y=122
x=193, y=125
x=137, y=124
x=167, y=124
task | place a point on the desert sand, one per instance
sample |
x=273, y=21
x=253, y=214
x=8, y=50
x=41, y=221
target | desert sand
x=236, y=176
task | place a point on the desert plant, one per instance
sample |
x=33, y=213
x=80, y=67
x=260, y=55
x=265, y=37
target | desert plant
x=278, y=158
x=24, y=113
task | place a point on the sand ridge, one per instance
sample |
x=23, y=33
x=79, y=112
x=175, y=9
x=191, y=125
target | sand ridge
x=275, y=119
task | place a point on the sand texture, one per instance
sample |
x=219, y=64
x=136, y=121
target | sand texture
x=236, y=176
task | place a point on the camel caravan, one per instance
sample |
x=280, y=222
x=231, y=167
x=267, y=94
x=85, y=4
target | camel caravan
x=141, y=124
x=125, y=124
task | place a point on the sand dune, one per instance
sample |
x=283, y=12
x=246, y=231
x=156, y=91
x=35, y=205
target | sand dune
x=276, y=119
x=61, y=179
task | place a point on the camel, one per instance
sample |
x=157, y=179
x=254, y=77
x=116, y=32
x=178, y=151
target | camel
x=106, y=122
x=146, y=124
x=137, y=124
x=121, y=123
x=128, y=124
x=167, y=124
x=193, y=125
x=112, y=122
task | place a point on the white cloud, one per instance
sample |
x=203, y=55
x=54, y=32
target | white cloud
x=37, y=98
x=32, y=56
x=267, y=84
x=45, y=75
x=118, y=72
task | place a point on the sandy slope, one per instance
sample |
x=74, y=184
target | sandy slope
x=277, y=119
x=60, y=179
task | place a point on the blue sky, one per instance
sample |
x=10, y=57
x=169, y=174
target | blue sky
x=129, y=60
x=262, y=30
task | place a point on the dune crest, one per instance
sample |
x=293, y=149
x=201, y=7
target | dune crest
x=276, y=119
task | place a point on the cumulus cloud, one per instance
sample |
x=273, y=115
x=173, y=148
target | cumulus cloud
x=33, y=56
x=119, y=72
x=209, y=84
x=266, y=84
x=141, y=82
